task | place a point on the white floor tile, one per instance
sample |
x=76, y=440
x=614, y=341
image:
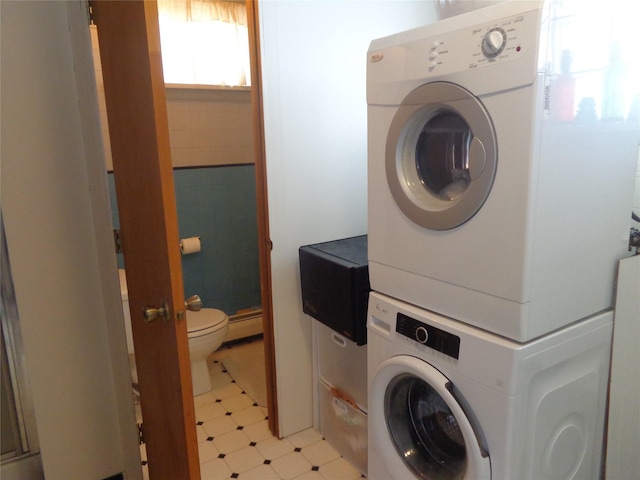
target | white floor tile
x=272, y=448
x=339, y=469
x=248, y=416
x=215, y=470
x=207, y=451
x=291, y=465
x=209, y=411
x=305, y=437
x=312, y=475
x=219, y=426
x=244, y=459
x=232, y=441
x=201, y=433
x=220, y=380
x=320, y=453
x=226, y=391
x=203, y=399
x=258, y=431
x=263, y=472
x=237, y=402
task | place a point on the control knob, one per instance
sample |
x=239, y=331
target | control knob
x=494, y=42
x=422, y=335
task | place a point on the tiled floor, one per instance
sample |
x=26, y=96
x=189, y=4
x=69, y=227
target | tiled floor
x=234, y=441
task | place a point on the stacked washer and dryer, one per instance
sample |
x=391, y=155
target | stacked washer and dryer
x=495, y=228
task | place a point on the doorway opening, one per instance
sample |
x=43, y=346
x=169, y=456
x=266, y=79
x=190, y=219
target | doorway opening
x=224, y=190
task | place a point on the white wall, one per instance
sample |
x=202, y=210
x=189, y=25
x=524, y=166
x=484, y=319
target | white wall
x=314, y=65
x=57, y=224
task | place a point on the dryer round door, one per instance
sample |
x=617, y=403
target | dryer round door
x=419, y=427
x=441, y=156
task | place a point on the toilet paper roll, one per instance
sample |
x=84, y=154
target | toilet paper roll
x=190, y=245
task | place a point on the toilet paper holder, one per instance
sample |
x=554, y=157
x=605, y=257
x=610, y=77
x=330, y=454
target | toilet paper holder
x=190, y=245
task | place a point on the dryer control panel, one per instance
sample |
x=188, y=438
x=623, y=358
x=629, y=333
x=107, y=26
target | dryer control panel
x=435, y=338
x=502, y=41
x=448, y=50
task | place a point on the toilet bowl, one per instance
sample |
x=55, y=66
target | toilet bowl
x=206, y=331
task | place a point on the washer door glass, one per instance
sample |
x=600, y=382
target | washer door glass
x=441, y=156
x=424, y=430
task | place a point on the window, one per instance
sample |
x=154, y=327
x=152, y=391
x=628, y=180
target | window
x=204, y=42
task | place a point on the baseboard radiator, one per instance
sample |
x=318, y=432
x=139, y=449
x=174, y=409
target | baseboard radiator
x=245, y=323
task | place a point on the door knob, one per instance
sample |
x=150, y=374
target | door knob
x=151, y=313
x=193, y=303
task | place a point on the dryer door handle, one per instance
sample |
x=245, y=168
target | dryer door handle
x=477, y=158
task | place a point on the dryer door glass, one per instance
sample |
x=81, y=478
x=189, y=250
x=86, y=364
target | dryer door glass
x=442, y=155
x=424, y=430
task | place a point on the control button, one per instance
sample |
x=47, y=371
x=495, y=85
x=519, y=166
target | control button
x=494, y=42
x=422, y=335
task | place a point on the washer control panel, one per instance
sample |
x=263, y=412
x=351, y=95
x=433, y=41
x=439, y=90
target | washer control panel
x=433, y=337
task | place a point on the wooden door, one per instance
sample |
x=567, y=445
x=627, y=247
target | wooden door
x=136, y=108
x=264, y=238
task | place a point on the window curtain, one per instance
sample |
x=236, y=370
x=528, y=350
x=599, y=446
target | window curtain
x=204, y=42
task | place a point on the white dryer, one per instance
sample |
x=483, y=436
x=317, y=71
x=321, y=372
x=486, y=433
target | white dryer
x=483, y=205
x=450, y=401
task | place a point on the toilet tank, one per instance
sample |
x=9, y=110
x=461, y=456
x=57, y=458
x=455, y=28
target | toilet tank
x=125, y=309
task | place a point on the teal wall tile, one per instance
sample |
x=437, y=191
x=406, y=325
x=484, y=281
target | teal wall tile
x=218, y=204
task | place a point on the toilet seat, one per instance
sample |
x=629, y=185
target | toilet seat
x=204, y=322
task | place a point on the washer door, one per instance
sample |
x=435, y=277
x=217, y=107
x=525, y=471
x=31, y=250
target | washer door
x=441, y=156
x=419, y=427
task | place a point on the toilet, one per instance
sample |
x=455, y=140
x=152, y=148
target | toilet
x=206, y=331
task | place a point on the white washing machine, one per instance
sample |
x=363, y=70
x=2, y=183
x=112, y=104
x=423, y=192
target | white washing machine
x=450, y=401
x=485, y=203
